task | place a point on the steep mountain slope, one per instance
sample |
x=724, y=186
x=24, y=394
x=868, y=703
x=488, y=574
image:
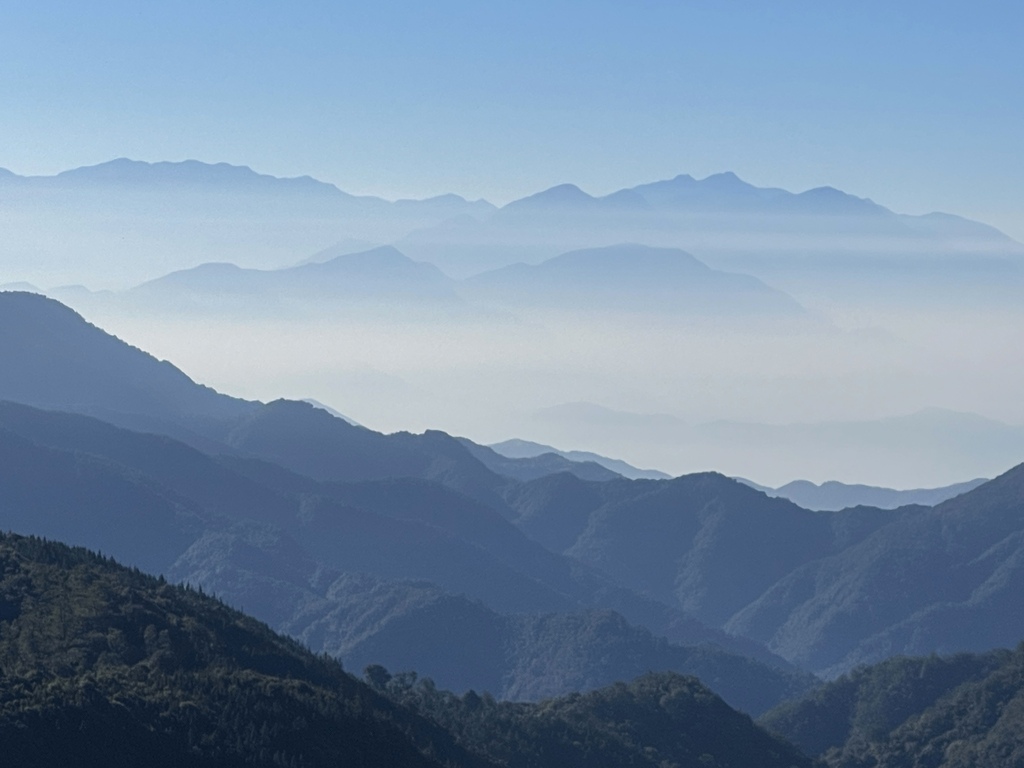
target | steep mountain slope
x=681, y=540
x=962, y=710
x=816, y=587
x=464, y=644
x=106, y=666
x=55, y=359
x=976, y=541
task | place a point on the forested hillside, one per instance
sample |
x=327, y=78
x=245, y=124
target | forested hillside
x=963, y=711
x=105, y=666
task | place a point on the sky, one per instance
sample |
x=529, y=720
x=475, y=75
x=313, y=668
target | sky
x=917, y=105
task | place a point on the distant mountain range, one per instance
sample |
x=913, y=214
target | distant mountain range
x=923, y=447
x=123, y=222
x=821, y=240
x=833, y=496
x=524, y=449
x=830, y=496
x=384, y=282
x=634, y=278
x=355, y=281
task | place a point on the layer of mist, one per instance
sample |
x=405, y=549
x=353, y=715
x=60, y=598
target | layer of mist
x=682, y=325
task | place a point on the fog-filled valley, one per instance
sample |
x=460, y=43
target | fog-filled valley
x=683, y=325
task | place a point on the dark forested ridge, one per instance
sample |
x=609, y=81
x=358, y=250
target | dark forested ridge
x=962, y=711
x=104, y=666
x=657, y=720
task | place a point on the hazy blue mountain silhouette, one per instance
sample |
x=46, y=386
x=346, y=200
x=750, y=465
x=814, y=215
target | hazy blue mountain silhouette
x=123, y=222
x=187, y=173
x=55, y=359
x=634, y=278
x=537, y=465
x=832, y=496
x=129, y=220
x=727, y=193
x=525, y=449
x=380, y=277
x=931, y=443
x=819, y=239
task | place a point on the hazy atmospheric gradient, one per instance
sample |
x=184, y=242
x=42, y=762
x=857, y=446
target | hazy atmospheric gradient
x=915, y=104
x=693, y=235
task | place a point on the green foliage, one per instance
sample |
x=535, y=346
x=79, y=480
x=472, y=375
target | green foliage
x=658, y=720
x=102, y=665
x=964, y=710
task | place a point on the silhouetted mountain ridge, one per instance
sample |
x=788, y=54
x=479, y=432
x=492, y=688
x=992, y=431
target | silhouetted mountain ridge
x=631, y=277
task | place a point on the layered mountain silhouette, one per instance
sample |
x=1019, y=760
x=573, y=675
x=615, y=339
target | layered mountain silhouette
x=275, y=503
x=833, y=496
x=211, y=517
x=122, y=222
x=359, y=281
x=821, y=237
x=540, y=464
x=526, y=449
x=107, y=666
x=384, y=282
x=816, y=587
x=157, y=218
x=633, y=278
x=286, y=548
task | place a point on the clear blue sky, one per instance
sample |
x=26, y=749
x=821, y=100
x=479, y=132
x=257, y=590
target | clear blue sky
x=919, y=105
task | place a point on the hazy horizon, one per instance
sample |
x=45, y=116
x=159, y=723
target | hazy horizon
x=802, y=283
